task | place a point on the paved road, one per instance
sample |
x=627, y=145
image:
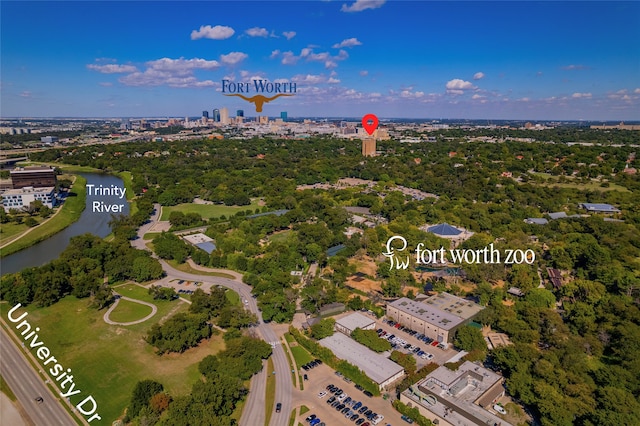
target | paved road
x=253, y=413
x=27, y=384
x=106, y=319
x=254, y=410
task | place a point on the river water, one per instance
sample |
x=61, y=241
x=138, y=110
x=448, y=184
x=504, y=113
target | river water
x=96, y=223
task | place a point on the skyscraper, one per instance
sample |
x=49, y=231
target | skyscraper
x=369, y=147
x=224, y=116
x=283, y=115
x=240, y=113
x=205, y=114
x=216, y=115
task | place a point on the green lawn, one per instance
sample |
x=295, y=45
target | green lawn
x=301, y=355
x=233, y=297
x=279, y=236
x=107, y=361
x=270, y=396
x=208, y=210
x=184, y=267
x=128, y=311
x=594, y=185
x=71, y=211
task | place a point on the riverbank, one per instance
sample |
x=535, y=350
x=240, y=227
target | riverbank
x=70, y=212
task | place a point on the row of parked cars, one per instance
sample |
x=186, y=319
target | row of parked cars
x=311, y=364
x=397, y=342
x=415, y=334
x=353, y=410
x=360, y=388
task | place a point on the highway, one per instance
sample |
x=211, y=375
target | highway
x=27, y=385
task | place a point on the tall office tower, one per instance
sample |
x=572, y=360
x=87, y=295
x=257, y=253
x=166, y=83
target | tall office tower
x=283, y=115
x=369, y=147
x=205, y=114
x=240, y=113
x=224, y=116
x=216, y=115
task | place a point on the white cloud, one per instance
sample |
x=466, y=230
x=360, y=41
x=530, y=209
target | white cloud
x=257, y=32
x=307, y=53
x=288, y=58
x=573, y=67
x=233, y=58
x=364, y=73
x=476, y=96
x=105, y=84
x=361, y=5
x=349, y=42
x=309, y=78
x=182, y=66
x=333, y=80
x=289, y=34
x=172, y=72
x=581, y=95
x=26, y=94
x=458, y=86
x=408, y=94
x=478, y=76
x=637, y=91
x=218, y=32
x=112, y=68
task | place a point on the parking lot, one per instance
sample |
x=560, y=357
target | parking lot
x=316, y=395
x=404, y=338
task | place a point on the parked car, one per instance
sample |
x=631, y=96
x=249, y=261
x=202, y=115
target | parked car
x=407, y=419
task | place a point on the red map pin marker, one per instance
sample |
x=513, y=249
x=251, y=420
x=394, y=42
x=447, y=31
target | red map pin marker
x=370, y=123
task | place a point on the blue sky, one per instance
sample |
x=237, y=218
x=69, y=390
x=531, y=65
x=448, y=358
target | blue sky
x=417, y=59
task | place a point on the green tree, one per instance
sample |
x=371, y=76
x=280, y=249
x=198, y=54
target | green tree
x=470, y=339
x=323, y=328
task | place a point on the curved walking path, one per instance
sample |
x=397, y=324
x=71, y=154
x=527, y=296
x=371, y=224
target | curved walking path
x=153, y=307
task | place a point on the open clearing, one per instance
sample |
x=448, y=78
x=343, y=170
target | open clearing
x=107, y=361
x=208, y=210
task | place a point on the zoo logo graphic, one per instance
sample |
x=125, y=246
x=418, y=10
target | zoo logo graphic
x=260, y=86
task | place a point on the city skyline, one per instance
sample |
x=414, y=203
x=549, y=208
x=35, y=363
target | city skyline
x=396, y=59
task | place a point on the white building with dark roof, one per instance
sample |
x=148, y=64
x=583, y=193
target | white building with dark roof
x=377, y=367
x=23, y=197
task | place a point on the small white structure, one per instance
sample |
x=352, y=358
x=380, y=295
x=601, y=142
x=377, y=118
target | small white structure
x=349, y=323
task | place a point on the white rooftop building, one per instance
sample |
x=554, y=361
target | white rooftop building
x=377, y=367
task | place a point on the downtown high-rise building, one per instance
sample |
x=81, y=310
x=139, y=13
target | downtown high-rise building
x=240, y=113
x=224, y=116
x=216, y=115
x=205, y=114
x=283, y=115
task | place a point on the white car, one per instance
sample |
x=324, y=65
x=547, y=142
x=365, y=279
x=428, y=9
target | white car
x=426, y=355
x=377, y=419
x=342, y=397
x=322, y=394
x=500, y=409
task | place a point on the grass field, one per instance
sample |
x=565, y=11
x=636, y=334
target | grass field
x=127, y=180
x=293, y=373
x=128, y=311
x=184, y=267
x=301, y=355
x=71, y=211
x=207, y=210
x=107, y=361
x=279, y=236
x=233, y=297
x=269, y=404
x=591, y=186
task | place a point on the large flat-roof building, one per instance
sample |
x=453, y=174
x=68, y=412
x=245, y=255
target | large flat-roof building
x=23, y=197
x=437, y=317
x=34, y=176
x=377, y=367
x=347, y=324
x=462, y=397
